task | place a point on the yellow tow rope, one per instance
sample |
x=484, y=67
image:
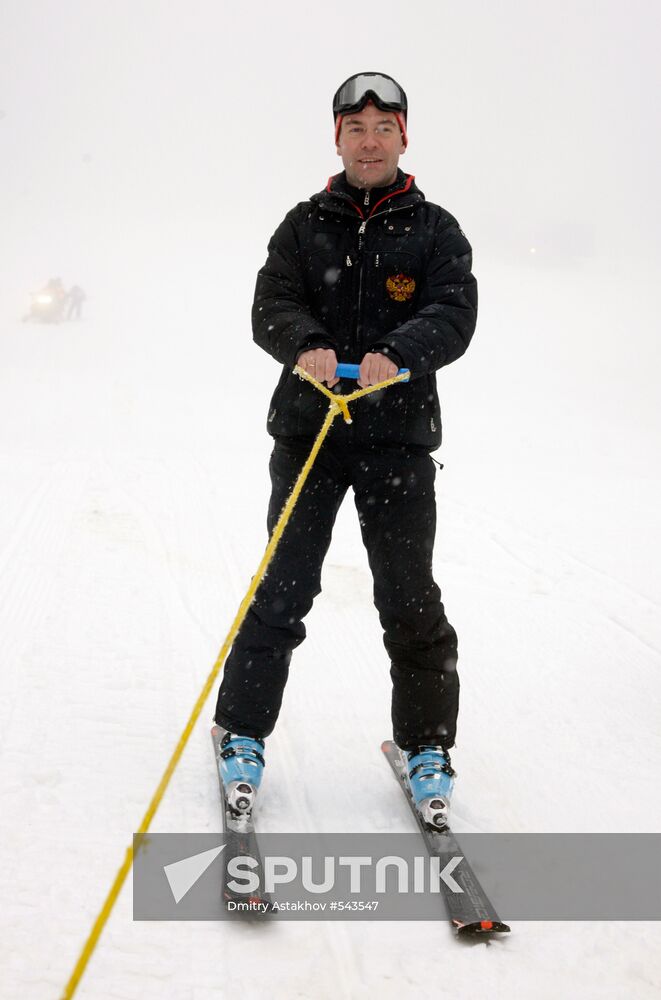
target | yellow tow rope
x=338, y=404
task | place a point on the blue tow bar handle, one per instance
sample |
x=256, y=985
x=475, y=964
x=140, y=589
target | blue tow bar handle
x=352, y=371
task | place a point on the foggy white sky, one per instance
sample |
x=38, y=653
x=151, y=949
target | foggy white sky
x=146, y=131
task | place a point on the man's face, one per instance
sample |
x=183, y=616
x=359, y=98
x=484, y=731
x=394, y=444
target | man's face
x=370, y=144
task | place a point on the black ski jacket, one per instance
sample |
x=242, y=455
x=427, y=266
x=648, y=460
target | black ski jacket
x=391, y=273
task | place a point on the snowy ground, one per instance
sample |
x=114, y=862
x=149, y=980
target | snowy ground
x=134, y=490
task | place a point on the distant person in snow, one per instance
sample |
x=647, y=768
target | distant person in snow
x=75, y=298
x=366, y=271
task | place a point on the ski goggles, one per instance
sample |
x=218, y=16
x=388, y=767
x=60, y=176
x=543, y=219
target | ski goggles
x=355, y=92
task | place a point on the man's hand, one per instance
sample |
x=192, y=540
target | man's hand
x=321, y=364
x=375, y=368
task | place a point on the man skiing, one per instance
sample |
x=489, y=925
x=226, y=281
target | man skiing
x=75, y=298
x=367, y=271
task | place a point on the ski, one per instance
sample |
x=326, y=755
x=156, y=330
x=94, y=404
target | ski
x=241, y=840
x=470, y=911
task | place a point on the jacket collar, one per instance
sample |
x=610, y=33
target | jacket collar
x=340, y=196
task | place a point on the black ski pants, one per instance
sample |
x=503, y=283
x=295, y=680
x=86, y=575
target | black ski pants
x=394, y=495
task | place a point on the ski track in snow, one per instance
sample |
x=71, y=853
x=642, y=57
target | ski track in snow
x=552, y=565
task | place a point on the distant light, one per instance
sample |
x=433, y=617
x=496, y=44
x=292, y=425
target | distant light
x=533, y=250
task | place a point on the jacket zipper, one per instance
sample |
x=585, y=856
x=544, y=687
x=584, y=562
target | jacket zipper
x=361, y=232
x=360, y=292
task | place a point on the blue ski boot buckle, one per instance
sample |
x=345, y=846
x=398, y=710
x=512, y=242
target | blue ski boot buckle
x=241, y=764
x=431, y=779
